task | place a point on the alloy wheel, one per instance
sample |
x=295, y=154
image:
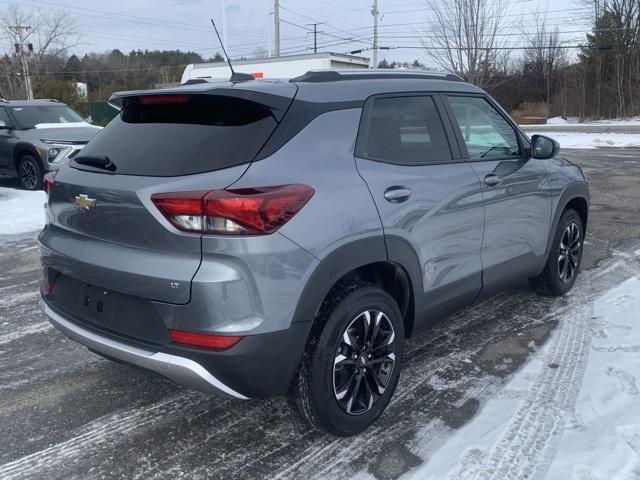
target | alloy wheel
x=364, y=362
x=28, y=175
x=569, y=252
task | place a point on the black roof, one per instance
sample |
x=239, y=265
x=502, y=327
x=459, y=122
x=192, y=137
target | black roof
x=316, y=76
x=321, y=86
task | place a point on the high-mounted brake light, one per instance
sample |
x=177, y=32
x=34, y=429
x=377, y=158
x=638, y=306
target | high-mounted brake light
x=47, y=185
x=164, y=99
x=216, y=342
x=242, y=211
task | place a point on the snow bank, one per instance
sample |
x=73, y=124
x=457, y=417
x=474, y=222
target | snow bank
x=21, y=211
x=575, y=121
x=592, y=140
x=571, y=415
x=561, y=121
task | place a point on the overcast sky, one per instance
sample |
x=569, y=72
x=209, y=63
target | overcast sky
x=184, y=24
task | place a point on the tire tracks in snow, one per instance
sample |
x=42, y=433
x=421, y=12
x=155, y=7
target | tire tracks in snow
x=528, y=445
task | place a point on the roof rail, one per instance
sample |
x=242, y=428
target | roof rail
x=317, y=76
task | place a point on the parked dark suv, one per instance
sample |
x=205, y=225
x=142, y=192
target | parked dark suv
x=38, y=136
x=263, y=238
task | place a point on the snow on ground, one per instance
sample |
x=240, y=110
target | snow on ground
x=575, y=121
x=21, y=211
x=572, y=410
x=592, y=140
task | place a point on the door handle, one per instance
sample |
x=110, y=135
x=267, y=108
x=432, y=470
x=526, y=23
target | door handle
x=397, y=194
x=492, y=180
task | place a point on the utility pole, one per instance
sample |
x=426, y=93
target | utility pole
x=224, y=24
x=24, y=57
x=276, y=29
x=269, y=44
x=315, y=35
x=375, y=13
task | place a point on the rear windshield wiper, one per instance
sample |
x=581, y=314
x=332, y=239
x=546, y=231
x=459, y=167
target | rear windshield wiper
x=97, y=161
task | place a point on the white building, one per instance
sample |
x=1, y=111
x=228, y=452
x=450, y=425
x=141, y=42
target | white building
x=276, y=67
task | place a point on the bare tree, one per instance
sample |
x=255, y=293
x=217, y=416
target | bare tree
x=545, y=55
x=462, y=36
x=625, y=20
x=50, y=34
x=598, y=8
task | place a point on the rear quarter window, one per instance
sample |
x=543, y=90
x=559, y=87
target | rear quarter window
x=404, y=130
x=203, y=133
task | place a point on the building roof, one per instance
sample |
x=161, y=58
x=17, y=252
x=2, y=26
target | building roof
x=288, y=58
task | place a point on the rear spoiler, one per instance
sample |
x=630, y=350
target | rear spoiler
x=277, y=103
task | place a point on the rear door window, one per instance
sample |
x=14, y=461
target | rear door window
x=404, y=130
x=182, y=135
x=486, y=133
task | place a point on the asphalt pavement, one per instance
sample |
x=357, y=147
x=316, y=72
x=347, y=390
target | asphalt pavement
x=66, y=413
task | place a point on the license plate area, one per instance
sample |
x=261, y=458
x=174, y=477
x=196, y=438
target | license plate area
x=117, y=313
x=94, y=300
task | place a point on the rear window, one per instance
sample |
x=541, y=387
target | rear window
x=194, y=135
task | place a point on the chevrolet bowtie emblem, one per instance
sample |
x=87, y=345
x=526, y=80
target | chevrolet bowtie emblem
x=84, y=202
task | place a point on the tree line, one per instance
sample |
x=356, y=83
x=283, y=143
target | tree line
x=598, y=77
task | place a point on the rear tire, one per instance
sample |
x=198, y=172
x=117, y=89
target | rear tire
x=30, y=173
x=351, y=365
x=565, y=257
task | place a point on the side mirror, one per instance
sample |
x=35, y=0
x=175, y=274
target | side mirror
x=4, y=126
x=544, y=147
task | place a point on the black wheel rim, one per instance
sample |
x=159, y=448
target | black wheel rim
x=569, y=252
x=28, y=175
x=364, y=361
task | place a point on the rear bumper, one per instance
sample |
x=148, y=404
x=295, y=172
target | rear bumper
x=259, y=366
x=181, y=370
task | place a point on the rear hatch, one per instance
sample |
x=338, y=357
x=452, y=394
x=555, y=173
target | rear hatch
x=103, y=229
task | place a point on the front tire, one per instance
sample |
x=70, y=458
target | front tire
x=565, y=258
x=30, y=173
x=351, y=365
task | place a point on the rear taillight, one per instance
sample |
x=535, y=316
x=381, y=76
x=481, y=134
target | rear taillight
x=242, y=211
x=164, y=99
x=47, y=185
x=216, y=342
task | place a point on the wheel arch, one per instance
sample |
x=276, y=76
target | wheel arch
x=392, y=266
x=23, y=149
x=575, y=196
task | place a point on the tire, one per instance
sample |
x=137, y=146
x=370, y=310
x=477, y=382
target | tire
x=563, y=264
x=332, y=407
x=30, y=173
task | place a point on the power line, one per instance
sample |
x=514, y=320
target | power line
x=527, y=47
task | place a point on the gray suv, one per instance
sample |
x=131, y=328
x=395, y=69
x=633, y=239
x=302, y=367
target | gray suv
x=39, y=136
x=261, y=238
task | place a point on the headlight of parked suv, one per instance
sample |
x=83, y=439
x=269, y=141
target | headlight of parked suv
x=58, y=153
